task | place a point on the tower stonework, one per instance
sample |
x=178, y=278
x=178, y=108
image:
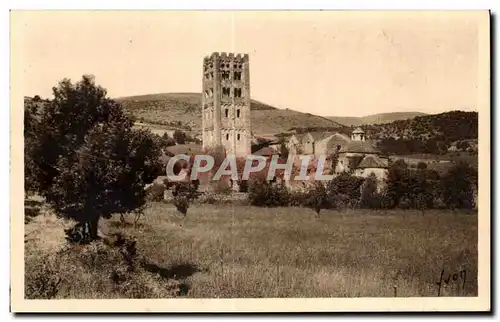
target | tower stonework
x=225, y=103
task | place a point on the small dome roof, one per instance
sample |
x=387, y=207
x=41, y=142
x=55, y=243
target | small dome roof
x=364, y=147
x=358, y=131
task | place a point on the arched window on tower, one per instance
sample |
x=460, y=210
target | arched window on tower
x=238, y=113
x=226, y=111
x=238, y=136
x=227, y=137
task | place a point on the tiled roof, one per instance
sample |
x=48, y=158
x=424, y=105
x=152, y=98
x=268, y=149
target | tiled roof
x=319, y=135
x=266, y=151
x=341, y=136
x=359, y=147
x=372, y=161
x=358, y=131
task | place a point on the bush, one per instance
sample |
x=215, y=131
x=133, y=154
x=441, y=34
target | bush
x=108, y=268
x=220, y=187
x=317, y=197
x=369, y=195
x=155, y=192
x=405, y=203
x=266, y=194
x=179, y=137
x=398, y=184
x=42, y=278
x=347, y=188
x=210, y=198
x=298, y=198
x=243, y=185
x=213, y=198
x=459, y=185
x=184, y=192
x=181, y=203
x=379, y=201
x=165, y=141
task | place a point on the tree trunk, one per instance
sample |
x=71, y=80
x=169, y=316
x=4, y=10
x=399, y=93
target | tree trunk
x=93, y=226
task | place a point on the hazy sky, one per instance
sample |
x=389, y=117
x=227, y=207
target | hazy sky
x=326, y=63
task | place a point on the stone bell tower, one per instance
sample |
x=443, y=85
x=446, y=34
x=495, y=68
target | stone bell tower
x=225, y=103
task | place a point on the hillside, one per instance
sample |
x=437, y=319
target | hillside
x=182, y=110
x=375, y=118
x=438, y=133
x=455, y=131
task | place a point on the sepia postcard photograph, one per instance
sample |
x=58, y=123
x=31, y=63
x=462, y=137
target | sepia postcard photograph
x=250, y=161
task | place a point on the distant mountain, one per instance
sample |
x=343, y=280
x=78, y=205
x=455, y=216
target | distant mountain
x=185, y=98
x=183, y=111
x=375, y=118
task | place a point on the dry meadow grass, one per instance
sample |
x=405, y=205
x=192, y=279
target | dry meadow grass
x=242, y=251
x=235, y=251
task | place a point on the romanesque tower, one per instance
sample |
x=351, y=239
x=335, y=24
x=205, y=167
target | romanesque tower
x=226, y=103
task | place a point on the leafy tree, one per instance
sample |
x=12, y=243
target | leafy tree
x=433, y=187
x=422, y=166
x=166, y=140
x=31, y=125
x=267, y=194
x=90, y=162
x=458, y=186
x=398, y=181
x=369, y=192
x=333, y=159
x=318, y=198
x=179, y=137
x=283, y=149
x=345, y=188
x=420, y=189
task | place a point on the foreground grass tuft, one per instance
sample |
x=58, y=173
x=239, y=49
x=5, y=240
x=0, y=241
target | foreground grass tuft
x=107, y=268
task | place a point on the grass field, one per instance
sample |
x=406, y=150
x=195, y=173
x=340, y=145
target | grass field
x=227, y=251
